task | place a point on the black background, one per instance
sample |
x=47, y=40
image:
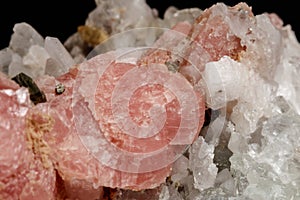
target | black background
x=61, y=18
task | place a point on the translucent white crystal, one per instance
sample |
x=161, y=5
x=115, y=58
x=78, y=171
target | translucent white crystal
x=77, y=55
x=267, y=48
x=35, y=60
x=118, y=19
x=238, y=82
x=237, y=142
x=62, y=60
x=172, y=15
x=180, y=169
x=5, y=59
x=262, y=84
x=16, y=66
x=169, y=193
x=23, y=37
x=287, y=73
x=224, y=81
x=272, y=169
x=76, y=46
x=201, y=164
x=189, y=190
x=210, y=194
x=117, y=16
x=215, y=128
x=165, y=194
x=263, y=41
x=225, y=181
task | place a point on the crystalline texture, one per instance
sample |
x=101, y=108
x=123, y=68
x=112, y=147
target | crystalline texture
x=29, y=53
x=169, y=193
x=247, y=65
x=173, y=16
x=35, y=61
x=22, y=174
x=23, y=37
x=201, y=164
x=224, y=81
x=273, y=169
x=117, y=16
x=5, y=59
x=60, y=60
x=287, y=73
x=179, y=169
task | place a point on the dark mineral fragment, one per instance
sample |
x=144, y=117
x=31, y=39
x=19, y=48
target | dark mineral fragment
x=36, y=95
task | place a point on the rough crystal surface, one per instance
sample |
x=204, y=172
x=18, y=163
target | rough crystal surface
x=117, y=16
x=60, y=60
x=23, y=174
x=272, y=168
x=5, y=59
x=246, y=65
x=172, y=16
x=24, y=37
x=35, y=60
x=201, y=164
x=30, y=53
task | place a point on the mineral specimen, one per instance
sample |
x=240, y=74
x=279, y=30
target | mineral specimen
x=23, y=173
x=36, y=95
x=126, y=100
x=30, y=53
x=60, y=60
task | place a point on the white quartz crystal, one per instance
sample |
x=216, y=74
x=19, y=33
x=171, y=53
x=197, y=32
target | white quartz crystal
x=35, y=60
x=272, y=168
x=76, y=46
x=5, y=59
x=225, y=181
x=16, y=66
x=201, y=164
x=169, y=193
x=117, y=16
x=224, y=81
x=173, y=15
x=180, y=169
x=23, y=37
x=60, y=57
x=30, y=53
x=128, y=23
x=255, y=94
x=287, y=73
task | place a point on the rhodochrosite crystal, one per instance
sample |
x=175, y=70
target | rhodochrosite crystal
x=78, y=125
x=199, y=104
x=24, y=174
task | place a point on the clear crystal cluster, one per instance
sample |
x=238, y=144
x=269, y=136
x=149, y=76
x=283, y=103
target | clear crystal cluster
x=250, y=149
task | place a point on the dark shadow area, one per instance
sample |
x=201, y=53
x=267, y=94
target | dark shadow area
x=60, y=20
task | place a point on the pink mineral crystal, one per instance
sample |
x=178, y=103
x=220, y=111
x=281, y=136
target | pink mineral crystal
x=123, y=117
x=24, y=174
x=6, y=83
x=81, y=167
x=191, y=46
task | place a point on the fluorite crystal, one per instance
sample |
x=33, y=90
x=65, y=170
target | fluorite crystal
x=126, y=99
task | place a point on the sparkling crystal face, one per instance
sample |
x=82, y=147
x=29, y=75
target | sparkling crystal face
x=199, y=104
x=144, y=112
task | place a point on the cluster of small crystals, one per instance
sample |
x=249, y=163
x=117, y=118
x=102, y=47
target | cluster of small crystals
x=30, y=53
x=259, y=116
x=262, y=94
